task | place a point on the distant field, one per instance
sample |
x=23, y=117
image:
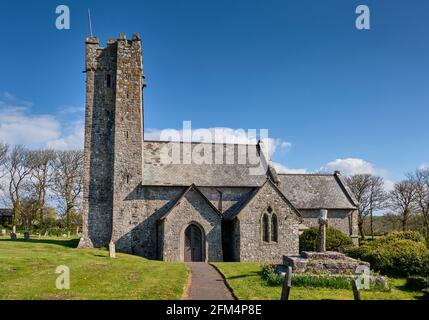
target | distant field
x=27, y=271
x=246, y=282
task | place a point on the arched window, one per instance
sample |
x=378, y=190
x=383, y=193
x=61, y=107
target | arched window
x=274, y=228
x=265, y=228
x=269, y=226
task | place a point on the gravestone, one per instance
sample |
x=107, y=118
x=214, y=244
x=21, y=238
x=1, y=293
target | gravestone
x=3, y=232
x=26, y=236
x=321, y=238
x=112, y=250
x=13, y=236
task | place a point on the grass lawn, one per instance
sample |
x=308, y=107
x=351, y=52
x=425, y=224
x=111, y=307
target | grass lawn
x=27, y=271
x=247, y=284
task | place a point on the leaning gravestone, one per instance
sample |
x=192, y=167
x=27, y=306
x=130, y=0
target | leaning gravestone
x=26, y=236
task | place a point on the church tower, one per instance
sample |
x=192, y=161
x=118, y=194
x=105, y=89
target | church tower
x=113, y=161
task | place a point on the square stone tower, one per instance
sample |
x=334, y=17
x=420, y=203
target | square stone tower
x=113, y=139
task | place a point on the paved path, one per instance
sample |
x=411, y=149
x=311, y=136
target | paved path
x=206, y=283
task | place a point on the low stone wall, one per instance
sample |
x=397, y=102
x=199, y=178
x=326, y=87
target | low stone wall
x=323, y=262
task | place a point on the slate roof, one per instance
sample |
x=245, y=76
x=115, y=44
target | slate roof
x=316, y=191
x=304, y=191
x=203, y=175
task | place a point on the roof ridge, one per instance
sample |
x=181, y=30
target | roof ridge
x=203, y=142
x=307, y=174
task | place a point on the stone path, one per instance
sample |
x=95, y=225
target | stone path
x=206, y=283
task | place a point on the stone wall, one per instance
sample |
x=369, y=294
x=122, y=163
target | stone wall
x=251, y=246
x=224, y=197
x=99, y=143
x=343, y=220
x=192, y=209
x=128, y=143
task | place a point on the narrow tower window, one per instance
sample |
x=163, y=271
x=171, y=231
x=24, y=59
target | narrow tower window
x=108, y=81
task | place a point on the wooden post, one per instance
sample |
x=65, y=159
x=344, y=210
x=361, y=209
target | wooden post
x=287, y=284
x=356, y=291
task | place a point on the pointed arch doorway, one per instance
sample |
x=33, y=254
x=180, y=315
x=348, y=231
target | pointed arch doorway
x=194, y=240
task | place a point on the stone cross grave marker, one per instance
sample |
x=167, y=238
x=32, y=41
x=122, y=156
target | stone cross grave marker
x=321, y=238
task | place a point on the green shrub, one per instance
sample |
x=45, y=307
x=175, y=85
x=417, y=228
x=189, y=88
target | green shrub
x=405, y=235
x=304, y=280
x=397, y=254
x=335, y=240
x=417, y=283
x=270, y=275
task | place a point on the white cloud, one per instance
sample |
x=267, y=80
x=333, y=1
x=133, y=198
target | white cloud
x=280, y=168
x=424, y=166
x=19, y=126
x=217, y=135
x=67, y=110
x=71, y=140
x=349, y=166
x=352, y=166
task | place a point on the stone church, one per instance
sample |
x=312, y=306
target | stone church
x=210, y=211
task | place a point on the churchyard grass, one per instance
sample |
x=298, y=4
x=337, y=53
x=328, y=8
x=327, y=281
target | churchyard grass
x=246, y=281
x=27, y=271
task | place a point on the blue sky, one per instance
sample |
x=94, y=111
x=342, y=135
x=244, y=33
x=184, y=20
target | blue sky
x=343, y=98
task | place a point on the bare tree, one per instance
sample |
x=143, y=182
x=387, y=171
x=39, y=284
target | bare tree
x=402, y=199
x=67, y=182
x=377, y=198
x=18, y=169
x=369, y=192
x=41, y=163
x=3, y=153
x=421, y=182
x=3, y=157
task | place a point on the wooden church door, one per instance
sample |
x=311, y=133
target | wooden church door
x=193, y=244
